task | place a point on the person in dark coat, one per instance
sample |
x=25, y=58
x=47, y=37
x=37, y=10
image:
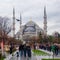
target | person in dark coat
x=29, y=52
x=21, y=51
x=24, y=49
x=11, y=50
x=56, y=50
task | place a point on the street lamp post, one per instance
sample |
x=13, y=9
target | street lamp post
x=20, y=26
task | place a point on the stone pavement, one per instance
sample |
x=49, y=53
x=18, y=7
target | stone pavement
x=23, y=58
x=14, y=57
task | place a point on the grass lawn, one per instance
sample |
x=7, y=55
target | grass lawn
x=50, y=59
x=38, y=52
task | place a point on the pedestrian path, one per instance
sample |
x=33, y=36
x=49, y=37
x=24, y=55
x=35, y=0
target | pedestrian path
x=14, y=57
x=23, y=58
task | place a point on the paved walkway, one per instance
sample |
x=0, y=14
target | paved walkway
x=32, y=58
x=23, y=58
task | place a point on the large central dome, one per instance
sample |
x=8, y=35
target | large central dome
x=30, y=29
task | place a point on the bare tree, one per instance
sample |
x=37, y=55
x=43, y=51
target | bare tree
x=5, y=26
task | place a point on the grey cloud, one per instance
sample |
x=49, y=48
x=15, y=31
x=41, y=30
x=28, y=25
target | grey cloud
x=56, y=26
x=33, y=9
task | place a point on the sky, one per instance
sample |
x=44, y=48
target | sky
x=33, y=9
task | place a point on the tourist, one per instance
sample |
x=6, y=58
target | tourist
x=11, y=49
x=24, y=49
x=21, y=51
x=29, y=51
x=56, y=49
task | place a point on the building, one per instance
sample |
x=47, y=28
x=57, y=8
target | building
x=32, y=29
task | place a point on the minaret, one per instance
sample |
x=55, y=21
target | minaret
x=45, y=22
x=20, y=20
x=21, y=26
x=13, y=22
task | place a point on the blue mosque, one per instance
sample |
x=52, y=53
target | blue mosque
x=31, y=29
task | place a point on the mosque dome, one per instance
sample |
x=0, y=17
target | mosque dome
x=30, y=29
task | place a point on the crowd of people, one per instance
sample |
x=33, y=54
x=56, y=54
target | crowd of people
x=54, y=48
x=24, y=51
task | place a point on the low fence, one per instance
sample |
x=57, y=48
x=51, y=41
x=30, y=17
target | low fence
x=10, y=56
x=51, y=53
x=42, y=56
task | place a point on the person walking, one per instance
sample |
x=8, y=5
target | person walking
x=56, y=49
x=24, y=49
x=29, y=52
x=21, y=51
x=11, y=49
